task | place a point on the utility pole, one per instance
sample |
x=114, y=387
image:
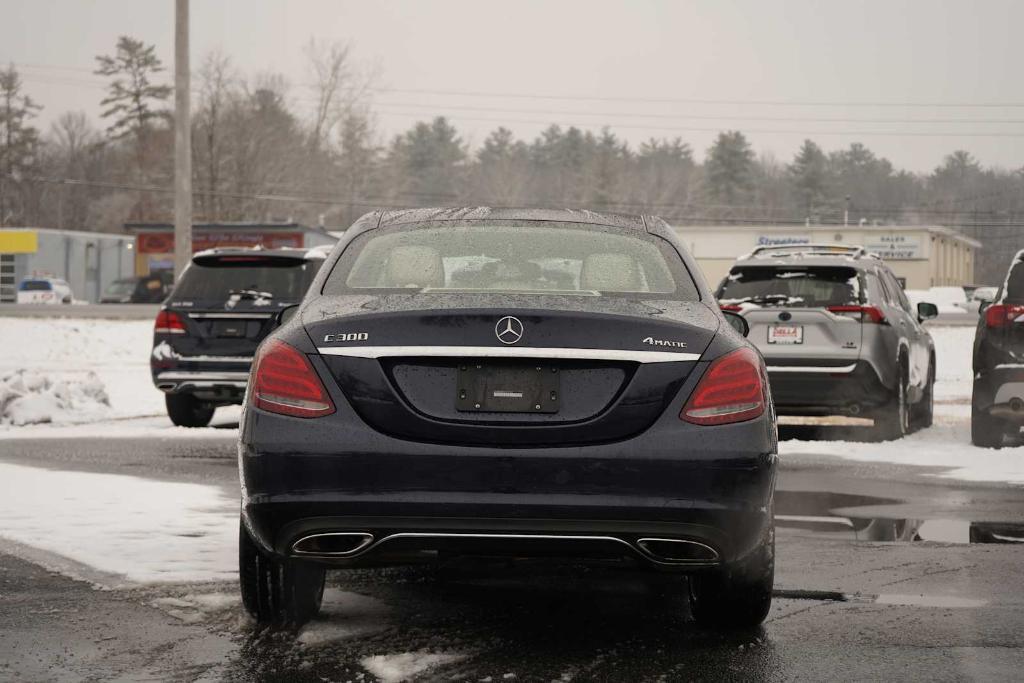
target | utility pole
x=182, y=142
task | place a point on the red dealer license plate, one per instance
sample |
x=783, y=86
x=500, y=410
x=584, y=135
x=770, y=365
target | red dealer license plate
x=786, y=334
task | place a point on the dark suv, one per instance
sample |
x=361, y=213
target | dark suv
x=997, y=403
x=223, y=306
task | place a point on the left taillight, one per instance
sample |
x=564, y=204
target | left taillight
x=169, y=322
x=733, y=389
x=284, y=382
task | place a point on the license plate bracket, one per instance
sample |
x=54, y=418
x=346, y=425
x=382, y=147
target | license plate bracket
x=498, y=388
x=229, y=328
x=786, y=334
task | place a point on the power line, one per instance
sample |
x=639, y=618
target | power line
x=634, y=99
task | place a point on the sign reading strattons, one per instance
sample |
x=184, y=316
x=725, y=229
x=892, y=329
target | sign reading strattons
x=895, y=247
x=781, y=240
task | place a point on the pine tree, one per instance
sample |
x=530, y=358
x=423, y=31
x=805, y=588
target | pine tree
x=808, y=175
x=18, y=144
x=728, y=167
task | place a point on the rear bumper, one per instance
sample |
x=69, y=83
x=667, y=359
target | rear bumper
x=404, y=501
x=826, y=388
x=1000, y=392
x=208, y=384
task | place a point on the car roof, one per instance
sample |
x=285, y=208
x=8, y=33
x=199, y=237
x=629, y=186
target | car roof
x=851, y=256
x=406, y=216
x=290, y=252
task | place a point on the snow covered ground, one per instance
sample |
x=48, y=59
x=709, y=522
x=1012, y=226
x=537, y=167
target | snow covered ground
x=67, y=371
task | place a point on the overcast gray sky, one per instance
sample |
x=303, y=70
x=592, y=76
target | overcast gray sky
x=866, y=60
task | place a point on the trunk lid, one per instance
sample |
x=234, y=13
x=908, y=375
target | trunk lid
x=579, y=370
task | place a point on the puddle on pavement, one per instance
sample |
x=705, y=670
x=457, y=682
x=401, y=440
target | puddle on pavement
x=819, y=512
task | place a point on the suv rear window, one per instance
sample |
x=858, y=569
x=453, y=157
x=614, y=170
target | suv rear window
x=282, y=279
x=1015, y=284
x=35, y=286
x=791, y=286
x=512, y=257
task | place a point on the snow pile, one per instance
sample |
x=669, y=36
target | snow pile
x=405, y=666
x=948, y=299
x=943, y=445
x=77, y=352
x=143, y=530
x=28, y=397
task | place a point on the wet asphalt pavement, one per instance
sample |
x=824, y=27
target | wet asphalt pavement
x=857, y=597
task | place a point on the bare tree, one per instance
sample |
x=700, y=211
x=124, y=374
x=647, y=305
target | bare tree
x=217, y=85
x=18, y=141
x=339, y=88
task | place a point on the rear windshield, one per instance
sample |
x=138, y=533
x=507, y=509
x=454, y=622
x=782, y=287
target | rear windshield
x=35, y=286
x=1015, y=284
x=512, y=257
x=807, y=287
x=277, y=281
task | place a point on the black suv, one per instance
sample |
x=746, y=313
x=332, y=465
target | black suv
x=225, y=303
x=997, y=403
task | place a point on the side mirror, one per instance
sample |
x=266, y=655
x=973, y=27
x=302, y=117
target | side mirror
x=738, y=322
x=285, y=314
x=927, y=311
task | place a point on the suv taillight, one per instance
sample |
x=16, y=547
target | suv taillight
x=865, y=314
x=284, y=382
x=1000, y=315
x=732, y=390
x=169, y=322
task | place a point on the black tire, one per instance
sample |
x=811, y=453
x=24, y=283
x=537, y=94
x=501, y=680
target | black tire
x=923, y=412
x=986, y=431
x=277, y=591
x=893, y=421
x=738, y=597
x=188, y=411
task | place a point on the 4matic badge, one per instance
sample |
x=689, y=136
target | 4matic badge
x=664, y=342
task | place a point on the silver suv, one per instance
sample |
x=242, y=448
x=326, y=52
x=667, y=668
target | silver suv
x=838, y=334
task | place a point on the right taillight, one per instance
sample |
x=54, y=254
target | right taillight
x=284, y=382
x=733, y=389
x=169, y=322
x=1001, y=315
x=865, y=314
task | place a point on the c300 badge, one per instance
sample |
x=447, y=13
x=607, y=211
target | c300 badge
x=346, y=337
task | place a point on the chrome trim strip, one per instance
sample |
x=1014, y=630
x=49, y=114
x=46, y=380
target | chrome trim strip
x=838, y=369
x=213, y=359
x=230, y=316
x=185, y=375
x=545, y=537
x=508, y=352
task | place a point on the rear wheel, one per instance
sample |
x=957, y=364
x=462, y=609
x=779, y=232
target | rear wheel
x=188, y=411
x=924, y=410
x=893, y=420
x=277, y=591
x=738, y=597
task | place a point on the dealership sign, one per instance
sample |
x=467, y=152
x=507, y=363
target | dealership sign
x=781, y=240
x=895, y=247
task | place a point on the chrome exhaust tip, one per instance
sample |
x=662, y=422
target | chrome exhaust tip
x=332, y=544
x=166, y=386
x=678, y=550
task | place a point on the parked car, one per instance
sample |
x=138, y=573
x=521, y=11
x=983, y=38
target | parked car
x=838, y=334
x=997, y=402
x=44, y=290
x=225, y=303
x=579, y=395
x=147, y=289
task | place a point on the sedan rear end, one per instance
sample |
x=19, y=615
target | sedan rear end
x=508, y=383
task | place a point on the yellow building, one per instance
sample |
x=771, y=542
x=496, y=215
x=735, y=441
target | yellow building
x=922, y=256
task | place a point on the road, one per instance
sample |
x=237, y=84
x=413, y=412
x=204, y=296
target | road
x=845, y=608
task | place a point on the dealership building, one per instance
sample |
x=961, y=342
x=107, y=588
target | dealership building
x=921, y=256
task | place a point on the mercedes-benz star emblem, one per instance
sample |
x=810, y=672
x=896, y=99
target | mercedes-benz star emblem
x=509, y=330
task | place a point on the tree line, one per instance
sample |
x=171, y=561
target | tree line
x=263, y=150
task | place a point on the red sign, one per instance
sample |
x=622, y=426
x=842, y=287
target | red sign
x=163, y=242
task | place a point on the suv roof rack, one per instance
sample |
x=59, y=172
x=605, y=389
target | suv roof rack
x=823, y=249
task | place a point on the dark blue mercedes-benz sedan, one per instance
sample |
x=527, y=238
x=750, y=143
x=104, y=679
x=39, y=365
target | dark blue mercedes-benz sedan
x=508, y=383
